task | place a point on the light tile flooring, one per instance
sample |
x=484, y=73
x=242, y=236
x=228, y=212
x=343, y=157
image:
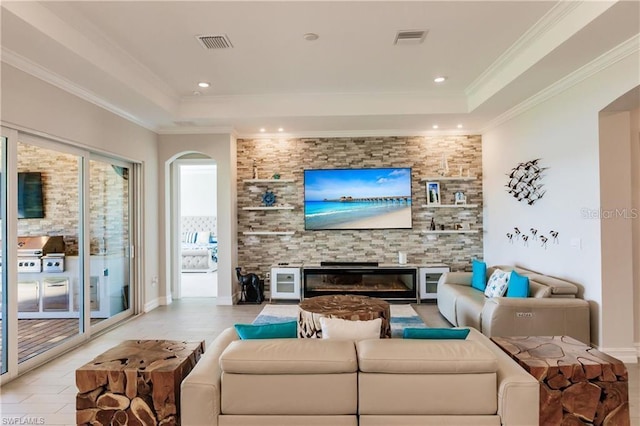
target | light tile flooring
x=47, y=395
x=199, y=284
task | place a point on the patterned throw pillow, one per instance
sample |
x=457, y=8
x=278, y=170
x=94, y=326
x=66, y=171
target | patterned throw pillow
x=497, y=284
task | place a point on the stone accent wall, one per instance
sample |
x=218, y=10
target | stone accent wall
x=291, y=157
x=109, y=220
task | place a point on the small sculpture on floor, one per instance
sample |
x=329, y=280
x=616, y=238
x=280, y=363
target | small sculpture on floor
x=251, y=287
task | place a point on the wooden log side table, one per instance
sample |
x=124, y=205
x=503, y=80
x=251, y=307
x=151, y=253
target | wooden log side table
x=578, y=384
x=349, y=307
x=135, y=383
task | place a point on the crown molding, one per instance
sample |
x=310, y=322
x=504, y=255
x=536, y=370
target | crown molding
x=10, y=57
x=533, y=34
x=195, y=130
x=599, y=64
x=561, y=22
x=356, y=134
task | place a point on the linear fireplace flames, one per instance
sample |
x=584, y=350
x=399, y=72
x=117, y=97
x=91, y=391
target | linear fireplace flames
x=382, y=282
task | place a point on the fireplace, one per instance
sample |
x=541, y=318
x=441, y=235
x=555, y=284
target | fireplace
x=393, y=283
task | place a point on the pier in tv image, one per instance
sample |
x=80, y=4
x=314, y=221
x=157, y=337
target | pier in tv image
x=377, y=198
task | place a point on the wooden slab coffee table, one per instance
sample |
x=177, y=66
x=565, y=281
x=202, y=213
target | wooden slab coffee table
x=135, y=383
x=578, y=384
x=345, y=306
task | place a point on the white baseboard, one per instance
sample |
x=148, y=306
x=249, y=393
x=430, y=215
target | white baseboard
x=165, y=300
x=626, y=355
x=151, y=305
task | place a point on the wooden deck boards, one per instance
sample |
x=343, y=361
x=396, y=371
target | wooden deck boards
x=36, y=336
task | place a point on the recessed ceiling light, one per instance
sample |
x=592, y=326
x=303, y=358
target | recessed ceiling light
x=280, y=129
x=440, y=79
x=204, y=84
x=311, y=36
x=435, y=126
x=262, y=129
x=459, y=126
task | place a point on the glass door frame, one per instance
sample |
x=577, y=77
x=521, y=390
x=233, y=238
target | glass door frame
x=9, y=252
x=133, y=294
x=9, y=269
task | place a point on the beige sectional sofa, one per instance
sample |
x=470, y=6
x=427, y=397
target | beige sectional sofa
x=552, y=308
x=370, y=382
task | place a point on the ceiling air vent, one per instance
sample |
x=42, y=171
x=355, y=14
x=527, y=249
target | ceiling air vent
x=410, y=37
x=214, y=41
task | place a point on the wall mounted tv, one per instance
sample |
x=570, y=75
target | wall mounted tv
x=357, y=198
x=30, y=200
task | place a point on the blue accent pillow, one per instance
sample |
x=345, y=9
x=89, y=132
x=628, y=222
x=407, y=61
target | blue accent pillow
x=435, y=333
x=518, y=285
x=280, y=330
x=478, y=275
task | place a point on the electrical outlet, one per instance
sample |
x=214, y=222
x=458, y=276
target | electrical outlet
x=267, y=275
x=154, y=281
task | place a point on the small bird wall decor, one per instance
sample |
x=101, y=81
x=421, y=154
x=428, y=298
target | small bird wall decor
x=524, y=182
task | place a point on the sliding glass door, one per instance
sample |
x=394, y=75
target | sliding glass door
x=65, y=247
x=3, y=251
x=50, y=273
x=110, y=238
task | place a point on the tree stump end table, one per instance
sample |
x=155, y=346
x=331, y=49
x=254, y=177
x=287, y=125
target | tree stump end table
x=344, y=306
x=579, y=385
x=135, y=383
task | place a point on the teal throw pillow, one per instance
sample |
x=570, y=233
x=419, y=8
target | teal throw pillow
x=478, y=275
x=435, y=333
x=286, y=330
x=518, y=285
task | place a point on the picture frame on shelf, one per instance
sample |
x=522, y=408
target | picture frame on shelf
x=459, y=198
x=433, y=193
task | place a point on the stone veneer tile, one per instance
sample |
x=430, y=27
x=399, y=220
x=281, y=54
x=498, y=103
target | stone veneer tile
x=290, y=157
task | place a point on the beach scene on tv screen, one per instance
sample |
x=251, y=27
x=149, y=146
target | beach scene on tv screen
x=357, y=198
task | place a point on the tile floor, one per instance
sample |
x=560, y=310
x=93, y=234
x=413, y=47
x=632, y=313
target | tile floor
x=46, y=395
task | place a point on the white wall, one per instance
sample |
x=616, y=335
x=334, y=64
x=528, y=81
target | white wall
x=616, y=227
x=635, y=200
x=30, y=103
x=563, y=131
x=222, y=149
x=198, y=192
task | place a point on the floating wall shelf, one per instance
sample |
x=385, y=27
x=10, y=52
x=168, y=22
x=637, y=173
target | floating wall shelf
x=269, y=208
x=452, y=231
x=268, y=180
x=457, y=206
x=437, y=178
x=269, y=232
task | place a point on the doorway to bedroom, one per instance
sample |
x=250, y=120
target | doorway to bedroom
x=197, y=195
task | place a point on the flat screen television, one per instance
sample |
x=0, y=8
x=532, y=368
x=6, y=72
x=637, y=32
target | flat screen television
x=377, y=198
x=30, y=200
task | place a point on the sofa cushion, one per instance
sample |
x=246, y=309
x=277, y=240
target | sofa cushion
x=559, y=288
x=435, y=333
x=289, y=356
x=478, y=275
x=281, y=330
x=497, y=284
x=397, y=356
x=296, y=394
x=342, y=329
x=538, y=290
x=518, y=285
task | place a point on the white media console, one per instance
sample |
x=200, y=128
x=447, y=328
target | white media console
x=386, y=281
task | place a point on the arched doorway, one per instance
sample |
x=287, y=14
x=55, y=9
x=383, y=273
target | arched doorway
x=194, y=195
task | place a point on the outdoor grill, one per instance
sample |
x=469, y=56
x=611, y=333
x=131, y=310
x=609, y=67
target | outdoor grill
x=34, y=251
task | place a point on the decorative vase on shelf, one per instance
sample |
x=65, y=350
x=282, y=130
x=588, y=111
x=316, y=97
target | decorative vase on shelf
x=433, y=225
x=255, y=170
x=444, y=165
